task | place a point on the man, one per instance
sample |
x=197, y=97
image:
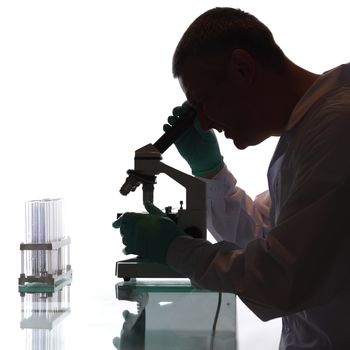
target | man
x=286, y=254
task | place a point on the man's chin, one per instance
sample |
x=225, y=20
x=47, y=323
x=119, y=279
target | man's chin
x=240, y=145
x=243, y=144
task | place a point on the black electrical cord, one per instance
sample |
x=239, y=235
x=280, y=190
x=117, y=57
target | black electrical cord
x=213, y=331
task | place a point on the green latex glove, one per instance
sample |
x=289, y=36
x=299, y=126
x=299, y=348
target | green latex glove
x=198, y=147
x=148, y=235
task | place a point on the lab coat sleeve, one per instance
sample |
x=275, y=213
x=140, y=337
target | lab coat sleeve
x=304, y=261
x=231, y=214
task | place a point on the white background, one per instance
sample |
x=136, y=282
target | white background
x=85, y=83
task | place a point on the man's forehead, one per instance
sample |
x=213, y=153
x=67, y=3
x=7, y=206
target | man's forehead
x=200, y=71
x=192, y=83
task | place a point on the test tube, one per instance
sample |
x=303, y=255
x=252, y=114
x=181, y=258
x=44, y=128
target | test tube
x=43, y=224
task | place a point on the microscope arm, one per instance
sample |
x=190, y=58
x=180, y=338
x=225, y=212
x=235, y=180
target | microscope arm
x=195, y=188
x=193, y=219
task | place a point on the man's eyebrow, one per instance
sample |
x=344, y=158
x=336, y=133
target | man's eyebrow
x=191, y=100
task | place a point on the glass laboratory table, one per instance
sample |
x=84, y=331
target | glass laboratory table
x=138, y=314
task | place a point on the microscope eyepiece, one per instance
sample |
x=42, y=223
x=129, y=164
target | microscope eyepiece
x=170, y=136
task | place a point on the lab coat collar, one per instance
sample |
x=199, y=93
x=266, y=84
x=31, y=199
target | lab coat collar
x=328, y=81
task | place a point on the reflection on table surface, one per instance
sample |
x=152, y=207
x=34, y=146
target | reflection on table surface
x=175, y=315
x=42, y=315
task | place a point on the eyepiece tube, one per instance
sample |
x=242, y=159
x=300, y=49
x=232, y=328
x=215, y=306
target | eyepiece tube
x=170, y=136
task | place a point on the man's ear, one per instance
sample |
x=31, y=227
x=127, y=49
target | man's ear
x=242, y=66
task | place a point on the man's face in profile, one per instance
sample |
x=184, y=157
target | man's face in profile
x=221, y=100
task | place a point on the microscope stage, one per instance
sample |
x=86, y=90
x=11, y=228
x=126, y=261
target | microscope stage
x=143, y=268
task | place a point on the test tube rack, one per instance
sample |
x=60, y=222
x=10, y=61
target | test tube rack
x=50, y=279
x=45, y=255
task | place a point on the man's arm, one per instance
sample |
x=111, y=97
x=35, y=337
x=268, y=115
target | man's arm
x=303, y=262
x=231, y=214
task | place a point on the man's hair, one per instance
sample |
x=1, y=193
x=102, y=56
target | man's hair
x=223, y=29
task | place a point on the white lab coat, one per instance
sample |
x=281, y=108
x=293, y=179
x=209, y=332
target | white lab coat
x=300, y=270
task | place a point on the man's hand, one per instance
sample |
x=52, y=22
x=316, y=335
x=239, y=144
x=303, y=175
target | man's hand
x=198, y=147
x=148, y=235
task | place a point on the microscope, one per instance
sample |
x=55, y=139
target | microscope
x=188, y=327
x=191, y=218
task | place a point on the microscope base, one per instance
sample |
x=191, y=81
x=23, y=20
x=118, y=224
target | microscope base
x=143, y=268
